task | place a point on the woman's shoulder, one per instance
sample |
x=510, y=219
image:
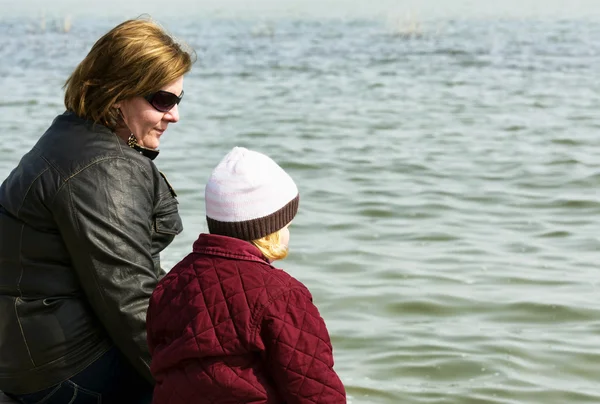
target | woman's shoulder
x=70, y=136
x=72, y=145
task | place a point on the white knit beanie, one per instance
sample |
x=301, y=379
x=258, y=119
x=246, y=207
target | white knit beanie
x=248, y=196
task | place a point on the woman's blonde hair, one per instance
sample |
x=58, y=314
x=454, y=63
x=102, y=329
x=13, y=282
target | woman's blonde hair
x=270, y=246
x=135, y=58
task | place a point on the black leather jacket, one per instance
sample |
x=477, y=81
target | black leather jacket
x=83, y=218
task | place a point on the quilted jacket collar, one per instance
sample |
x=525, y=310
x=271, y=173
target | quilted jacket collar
x=230, y=247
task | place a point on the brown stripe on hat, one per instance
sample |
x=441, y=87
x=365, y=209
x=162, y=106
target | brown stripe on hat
x=256, y=228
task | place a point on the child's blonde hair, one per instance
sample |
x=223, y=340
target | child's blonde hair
x=271, y=247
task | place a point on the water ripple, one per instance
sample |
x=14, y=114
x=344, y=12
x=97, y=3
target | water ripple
x=448, y=224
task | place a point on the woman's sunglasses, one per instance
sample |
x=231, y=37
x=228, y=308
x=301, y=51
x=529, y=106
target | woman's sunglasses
x=163, y=101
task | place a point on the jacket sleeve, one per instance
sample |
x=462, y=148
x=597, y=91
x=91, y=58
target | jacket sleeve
x=104, y=215
x=298, y=351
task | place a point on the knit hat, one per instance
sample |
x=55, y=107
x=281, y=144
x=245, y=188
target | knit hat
x=249, y=196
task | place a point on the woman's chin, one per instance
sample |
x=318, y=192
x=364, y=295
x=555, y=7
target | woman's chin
x=153, y=144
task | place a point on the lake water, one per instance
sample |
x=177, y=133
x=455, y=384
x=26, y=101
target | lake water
x=449, y=170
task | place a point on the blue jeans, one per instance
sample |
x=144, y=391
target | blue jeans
x=110, y=379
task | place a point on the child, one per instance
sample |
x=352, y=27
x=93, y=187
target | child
x=224, y=325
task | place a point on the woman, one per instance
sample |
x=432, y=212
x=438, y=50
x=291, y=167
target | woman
x=83, y=219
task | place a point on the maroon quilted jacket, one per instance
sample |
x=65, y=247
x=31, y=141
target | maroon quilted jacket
x=224, y=326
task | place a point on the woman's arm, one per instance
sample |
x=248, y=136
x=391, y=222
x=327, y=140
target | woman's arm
x=104, y=214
